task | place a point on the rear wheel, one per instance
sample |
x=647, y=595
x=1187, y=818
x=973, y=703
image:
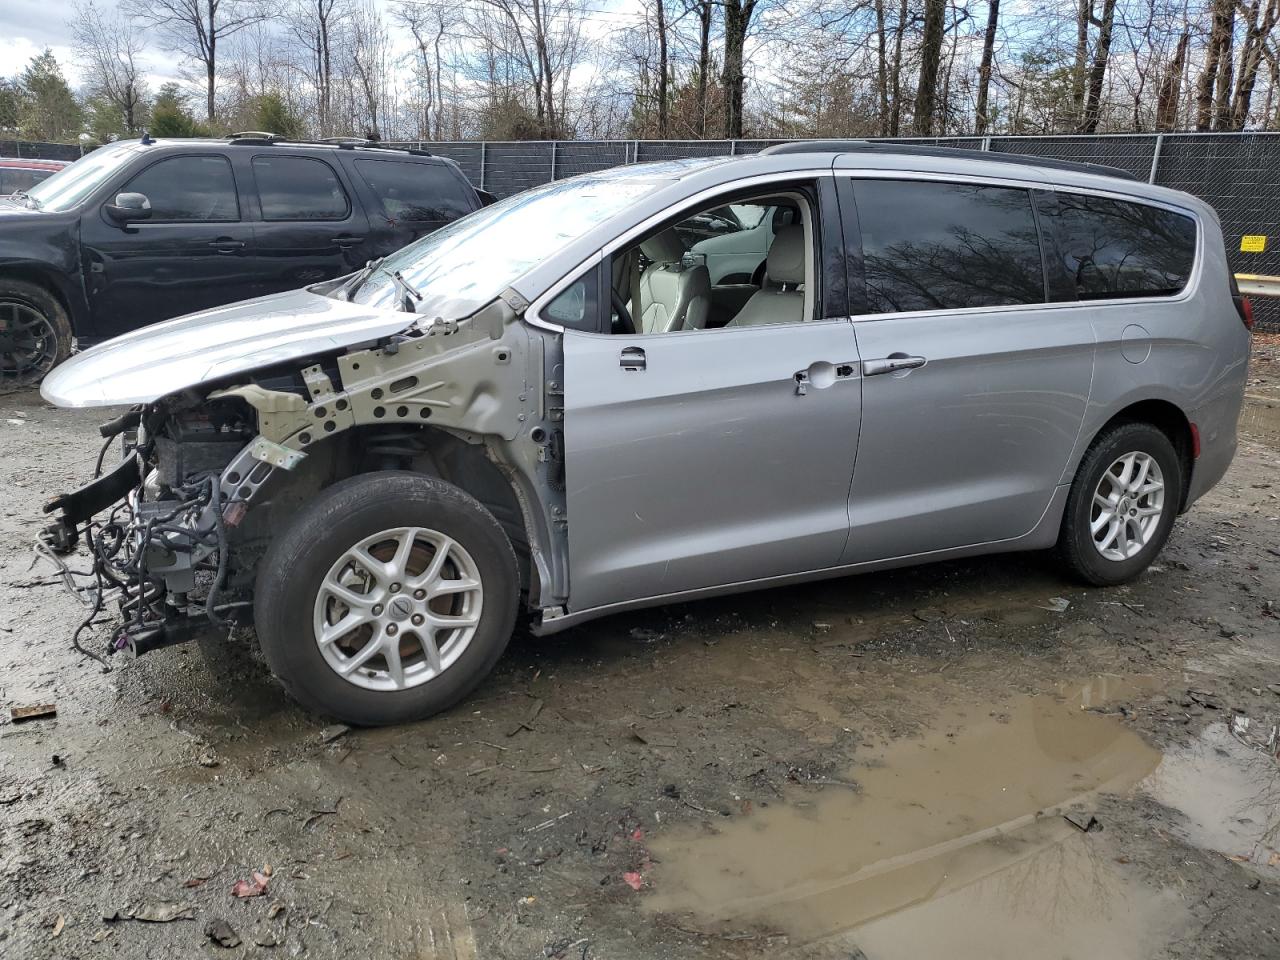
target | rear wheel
x=387, y=599
x=1122, y=504
x=35, y=334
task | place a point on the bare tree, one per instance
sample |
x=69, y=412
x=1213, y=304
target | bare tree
x=369, y=48
x=1098, y=69
x=930, y=55
x=737, y=23
x=195, y=28
x=107, y=48
x=316, y=25
x=1171, y=86
x=1216, y=55
x=1259, y=24
x=984, y=69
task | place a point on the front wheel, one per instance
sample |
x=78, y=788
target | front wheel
x=387, y=599
x=35, y=334
x=1122, y=504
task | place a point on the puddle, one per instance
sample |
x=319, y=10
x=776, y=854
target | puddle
x=952, y=844
x=1229, y=794
x=1260, y=419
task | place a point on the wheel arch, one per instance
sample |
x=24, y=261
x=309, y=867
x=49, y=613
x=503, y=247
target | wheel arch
x=432, y=451
x=50, y=279
x=1169, y=419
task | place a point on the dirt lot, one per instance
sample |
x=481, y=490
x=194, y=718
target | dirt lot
x=871, y=767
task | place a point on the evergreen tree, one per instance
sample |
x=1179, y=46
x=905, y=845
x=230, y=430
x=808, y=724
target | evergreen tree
x=49, y=110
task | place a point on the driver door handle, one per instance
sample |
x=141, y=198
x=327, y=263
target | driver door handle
x=226, y=245
x=891, y=364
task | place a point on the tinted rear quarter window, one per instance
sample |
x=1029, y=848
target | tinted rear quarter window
x=410, y=190
x=947, y=246
x=1112, y=248
x=299, y=188
x=192, y=188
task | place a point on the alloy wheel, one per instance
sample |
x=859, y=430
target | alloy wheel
x=1127, y=506
x=398, y=608
x=28, y=342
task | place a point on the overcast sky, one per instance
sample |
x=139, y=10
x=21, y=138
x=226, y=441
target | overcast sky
x=28, y=26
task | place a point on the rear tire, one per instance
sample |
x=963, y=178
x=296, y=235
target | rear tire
x=35, y=333
x=1122, y=504
x=363, y=553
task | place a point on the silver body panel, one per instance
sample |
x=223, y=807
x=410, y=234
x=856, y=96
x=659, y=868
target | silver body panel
x=147, y=364
x=707, y=472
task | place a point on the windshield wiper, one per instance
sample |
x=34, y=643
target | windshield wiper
x=407, y=292
x=23, y=195
x=351, y=286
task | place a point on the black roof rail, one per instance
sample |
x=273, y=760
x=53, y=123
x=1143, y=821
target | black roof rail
x=921, y=150
x=259, y=137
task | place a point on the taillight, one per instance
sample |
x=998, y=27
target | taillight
x=1246, y=312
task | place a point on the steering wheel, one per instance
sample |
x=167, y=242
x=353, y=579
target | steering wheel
x=625, y=324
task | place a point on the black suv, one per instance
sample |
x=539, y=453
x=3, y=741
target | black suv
x=145, y=230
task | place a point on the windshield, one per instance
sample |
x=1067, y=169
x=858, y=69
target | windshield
x=72, y=184
x=463, y=266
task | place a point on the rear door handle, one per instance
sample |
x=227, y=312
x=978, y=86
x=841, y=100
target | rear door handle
x=226, y=245
x=891, y=364
x=632, y=358
x=346, y=241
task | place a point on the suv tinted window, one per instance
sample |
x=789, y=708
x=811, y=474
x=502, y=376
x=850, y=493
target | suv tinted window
x=299, y=188
x=1111, y=248
x=188, y=188
x=946, y=246
x=416, y=191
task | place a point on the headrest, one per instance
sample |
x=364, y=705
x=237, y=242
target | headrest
x=664, y=247
x=784, y=216
x=786, y=255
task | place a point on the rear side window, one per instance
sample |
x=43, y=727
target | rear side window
x=947, y=246
x=188, y=189
x=1111, y=248
x=416, y=191
x=299, y=188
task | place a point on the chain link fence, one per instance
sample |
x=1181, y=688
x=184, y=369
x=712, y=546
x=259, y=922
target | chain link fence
x=30, y=150
x=1236, y=173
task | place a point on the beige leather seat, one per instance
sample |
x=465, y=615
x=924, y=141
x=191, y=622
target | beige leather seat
x=785, y=267
x=673, y=295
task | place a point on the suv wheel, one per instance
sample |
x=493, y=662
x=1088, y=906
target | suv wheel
x=1122, y=504
x=387, y=599
x=35, y=334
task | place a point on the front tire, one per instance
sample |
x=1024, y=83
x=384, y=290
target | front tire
x=1122, y=505
x=35, y=333
x=387, y=599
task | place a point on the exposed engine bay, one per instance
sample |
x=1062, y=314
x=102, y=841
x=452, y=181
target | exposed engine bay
x=208, y=474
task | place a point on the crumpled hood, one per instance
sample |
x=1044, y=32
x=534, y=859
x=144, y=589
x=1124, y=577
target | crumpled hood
x=147, y=364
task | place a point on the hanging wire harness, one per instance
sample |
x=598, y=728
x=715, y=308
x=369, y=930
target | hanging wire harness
x=155, y=528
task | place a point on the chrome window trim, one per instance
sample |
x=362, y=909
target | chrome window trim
x=533, y=314
x=1186, y=293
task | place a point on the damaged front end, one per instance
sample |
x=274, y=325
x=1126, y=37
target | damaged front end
x=157, y=526
x=214, y=470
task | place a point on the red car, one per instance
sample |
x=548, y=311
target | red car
x=19, y=174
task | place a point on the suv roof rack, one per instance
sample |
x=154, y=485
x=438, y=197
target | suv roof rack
x=259, y=137
x=920, y=150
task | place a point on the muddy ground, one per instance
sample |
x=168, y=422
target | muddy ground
x=871, y=767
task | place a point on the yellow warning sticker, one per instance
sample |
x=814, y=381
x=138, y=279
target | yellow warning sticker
x=1254, y=243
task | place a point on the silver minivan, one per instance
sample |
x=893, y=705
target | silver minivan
x=593, y=396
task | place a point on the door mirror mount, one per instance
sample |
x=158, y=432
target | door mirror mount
x=128, y=207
